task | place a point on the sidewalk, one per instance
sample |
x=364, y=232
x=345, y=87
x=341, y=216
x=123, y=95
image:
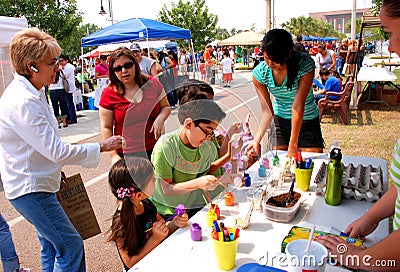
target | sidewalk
x=89, y=122
x=88, y=126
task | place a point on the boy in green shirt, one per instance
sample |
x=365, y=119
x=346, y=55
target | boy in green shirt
x=182, y=159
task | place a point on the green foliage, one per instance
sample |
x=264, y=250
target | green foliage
x=222, y=34
x=358, y=25
x=310, y=26
x=59, y=18
x=377, y=5
x=71, y=44
x=192, y=15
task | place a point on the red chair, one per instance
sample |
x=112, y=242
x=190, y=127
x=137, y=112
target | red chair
x=341, y=105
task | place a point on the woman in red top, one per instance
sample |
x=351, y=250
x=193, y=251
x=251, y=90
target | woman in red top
x=132, y=105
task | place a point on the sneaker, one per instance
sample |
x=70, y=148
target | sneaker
x=23, y=270
x=173, y=107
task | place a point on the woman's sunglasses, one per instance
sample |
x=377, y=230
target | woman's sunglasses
x=126, y=65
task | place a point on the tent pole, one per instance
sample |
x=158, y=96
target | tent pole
x=194, y=59
x=82, y=89
x=148, y=45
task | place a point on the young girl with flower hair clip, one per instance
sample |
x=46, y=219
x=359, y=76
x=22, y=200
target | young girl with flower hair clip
x=136, y=226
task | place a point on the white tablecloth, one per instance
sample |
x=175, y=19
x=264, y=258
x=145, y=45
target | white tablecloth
x=263, y=237
x=375, y=74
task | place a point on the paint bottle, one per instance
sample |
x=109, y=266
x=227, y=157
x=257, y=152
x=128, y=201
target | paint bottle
x=195, y=232
x=247, y=180
x=211, y=216
x=262, y=171
x=265, y=162
x=216, y=210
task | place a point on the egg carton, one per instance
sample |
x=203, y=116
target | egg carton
x=358, y=182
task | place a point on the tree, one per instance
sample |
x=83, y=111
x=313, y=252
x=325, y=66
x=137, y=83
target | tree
x=222, y=34
x=72, y=43
x=310, y=26
x=358, y=25
x=59, y=18
x=193, y=16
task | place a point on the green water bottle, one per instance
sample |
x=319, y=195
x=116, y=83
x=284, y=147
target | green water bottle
x=333, y=192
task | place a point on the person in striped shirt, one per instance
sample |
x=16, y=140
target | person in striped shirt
x=287, y=76
x=389, y=204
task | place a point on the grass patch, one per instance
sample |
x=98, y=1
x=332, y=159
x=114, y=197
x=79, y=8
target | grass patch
x=243, y=67
x=379, y=57
x=372, y=131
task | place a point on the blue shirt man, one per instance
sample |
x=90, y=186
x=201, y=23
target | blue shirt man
x=332, y=84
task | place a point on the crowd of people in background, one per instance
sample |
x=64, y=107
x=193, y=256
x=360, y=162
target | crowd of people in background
x=338, y=57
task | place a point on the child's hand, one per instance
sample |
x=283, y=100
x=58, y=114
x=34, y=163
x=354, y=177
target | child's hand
x=339, y=249
x=361, y=228
x=160, y=231
x=207, y=182
x=234, y=129
x=181, y=221
x=252, y=148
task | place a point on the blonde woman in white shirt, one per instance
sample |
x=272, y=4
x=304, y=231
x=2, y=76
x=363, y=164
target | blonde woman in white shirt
x=32, y=153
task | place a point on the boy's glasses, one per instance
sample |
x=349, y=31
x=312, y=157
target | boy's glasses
x=126, y=65
x=208, y=134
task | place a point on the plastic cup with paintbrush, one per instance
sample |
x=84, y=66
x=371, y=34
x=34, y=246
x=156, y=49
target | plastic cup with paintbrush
x=312, y=251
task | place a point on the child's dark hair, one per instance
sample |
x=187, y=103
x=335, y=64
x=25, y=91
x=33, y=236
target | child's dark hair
x=201, y=111
x=278, y=44
x=129, y=174
x=189, y=89
x=324, y=72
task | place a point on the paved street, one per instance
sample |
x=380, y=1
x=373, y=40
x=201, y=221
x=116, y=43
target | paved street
x=237, y=101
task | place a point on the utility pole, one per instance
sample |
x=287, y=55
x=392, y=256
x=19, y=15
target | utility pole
x=268, y=15
x=353, y=20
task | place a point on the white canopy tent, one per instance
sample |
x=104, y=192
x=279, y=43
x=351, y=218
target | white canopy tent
x=8, y=27
x=107, y=48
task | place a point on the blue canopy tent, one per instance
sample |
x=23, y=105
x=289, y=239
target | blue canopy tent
x=136, y=29
x=306, y=37
x=329, y=39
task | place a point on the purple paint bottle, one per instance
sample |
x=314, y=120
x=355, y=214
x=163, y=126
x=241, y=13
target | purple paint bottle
x=195, y=232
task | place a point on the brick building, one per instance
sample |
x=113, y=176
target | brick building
x=338, y=19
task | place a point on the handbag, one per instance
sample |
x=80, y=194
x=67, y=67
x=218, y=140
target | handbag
x=64, y=81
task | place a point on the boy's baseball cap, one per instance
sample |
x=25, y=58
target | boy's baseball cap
x=135, y=47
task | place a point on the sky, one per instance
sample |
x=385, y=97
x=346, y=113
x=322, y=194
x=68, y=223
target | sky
x=240, y=15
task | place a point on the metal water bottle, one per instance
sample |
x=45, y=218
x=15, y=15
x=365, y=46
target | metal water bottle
x=333, y=192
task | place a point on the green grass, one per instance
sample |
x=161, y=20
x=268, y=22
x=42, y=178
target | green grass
x=372, y=131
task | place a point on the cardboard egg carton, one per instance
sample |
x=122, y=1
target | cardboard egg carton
x=358, y=182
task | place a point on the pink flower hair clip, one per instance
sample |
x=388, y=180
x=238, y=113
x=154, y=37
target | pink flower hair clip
x=123, y=192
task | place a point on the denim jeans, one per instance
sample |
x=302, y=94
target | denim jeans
x=318, y=97
x=61, y=245
x=339, y=65
x=59, y=102
x=9, y=257
x=71, y=107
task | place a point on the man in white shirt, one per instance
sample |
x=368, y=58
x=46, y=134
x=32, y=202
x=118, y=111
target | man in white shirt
x=69, y=73
x=148, y=66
